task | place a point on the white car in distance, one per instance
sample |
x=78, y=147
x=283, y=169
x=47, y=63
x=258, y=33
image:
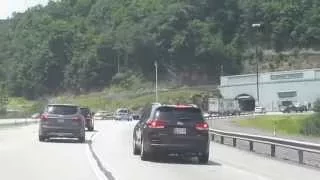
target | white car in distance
x=122, y=114
x=102, y=115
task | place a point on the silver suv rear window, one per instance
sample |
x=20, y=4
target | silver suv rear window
x=123, y=111
x=62, y=109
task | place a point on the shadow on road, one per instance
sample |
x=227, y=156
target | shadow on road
x=67, y=141
x=92, y=131
x=187, y=161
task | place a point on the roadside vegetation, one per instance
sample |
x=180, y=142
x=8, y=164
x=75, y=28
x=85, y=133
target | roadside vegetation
x=306, y=125
x=126, y=91
x=287, y=124
x=77, y=45
x=110, y=100
x=100, y=102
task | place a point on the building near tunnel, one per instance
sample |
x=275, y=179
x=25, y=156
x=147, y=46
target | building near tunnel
x=276, y=89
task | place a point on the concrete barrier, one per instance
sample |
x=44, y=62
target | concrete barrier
x=13, y=122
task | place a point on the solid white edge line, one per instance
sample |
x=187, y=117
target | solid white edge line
x=94, y=164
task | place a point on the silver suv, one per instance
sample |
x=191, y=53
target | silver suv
x=60, y=120
x=123, y=114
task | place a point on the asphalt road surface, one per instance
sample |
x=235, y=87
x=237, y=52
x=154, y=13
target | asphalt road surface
x=23, y=157
x=113, y=146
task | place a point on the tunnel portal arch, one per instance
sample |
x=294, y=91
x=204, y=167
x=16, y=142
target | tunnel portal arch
x=246, y=102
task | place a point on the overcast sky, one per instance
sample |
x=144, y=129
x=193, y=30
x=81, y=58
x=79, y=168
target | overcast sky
x=7, y=7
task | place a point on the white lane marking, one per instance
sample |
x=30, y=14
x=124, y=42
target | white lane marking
x=242, y=171
x=94, y=164
x=104, y=163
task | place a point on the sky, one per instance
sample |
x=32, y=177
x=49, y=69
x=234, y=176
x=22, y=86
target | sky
x=7, y=7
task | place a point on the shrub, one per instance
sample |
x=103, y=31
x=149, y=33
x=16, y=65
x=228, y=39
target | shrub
x=311, y=127
x=316, y=105
x=127, y=80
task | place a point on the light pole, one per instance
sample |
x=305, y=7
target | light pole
x=156, y=69
x=257, y=27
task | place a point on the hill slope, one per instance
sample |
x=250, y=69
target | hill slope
x=80, y=45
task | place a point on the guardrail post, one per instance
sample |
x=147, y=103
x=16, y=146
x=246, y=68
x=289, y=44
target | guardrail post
x=300, y=153
x=251, y=145
x=234, y=140
x=273, y=150
x=221, y=139
x=212, y=137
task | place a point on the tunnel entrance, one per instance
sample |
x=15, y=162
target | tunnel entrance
x=246, y=102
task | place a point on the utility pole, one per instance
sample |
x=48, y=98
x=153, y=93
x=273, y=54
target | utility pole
x=156, y=69
x=257, y=27
x=257, y=72
x=221, y=70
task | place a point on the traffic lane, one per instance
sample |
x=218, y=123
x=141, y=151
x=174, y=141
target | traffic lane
x=22, y=156
x=262, y=165
x=113, y=145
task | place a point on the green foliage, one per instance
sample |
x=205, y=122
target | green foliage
x=3, y=98
x=312, y=125
x=287, y=124
x=127, y=80
x=100, y=101
x=76, y=45
x=308, y=125
x=316, y=105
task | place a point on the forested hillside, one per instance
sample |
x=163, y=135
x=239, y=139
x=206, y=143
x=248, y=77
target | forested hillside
x=73, y=45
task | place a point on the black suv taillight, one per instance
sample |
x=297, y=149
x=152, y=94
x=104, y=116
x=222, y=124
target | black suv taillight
x=202, y=126
x=157, y=124
x=44, y=117
x=76, y=119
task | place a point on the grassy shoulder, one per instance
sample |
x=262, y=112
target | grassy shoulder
x=285, y=124
x=132, y=99
x=19, y=107
x=128, y=90
x=108, y=99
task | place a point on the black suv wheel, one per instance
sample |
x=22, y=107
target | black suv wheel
x=204, y=159
x=90, y=128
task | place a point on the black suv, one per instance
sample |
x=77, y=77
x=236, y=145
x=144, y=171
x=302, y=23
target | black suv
x=85, y=111
x=171, y=129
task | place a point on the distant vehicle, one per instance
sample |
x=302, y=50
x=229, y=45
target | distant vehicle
x=59, y=120
x=259, y=110
x=171, y=129
x=102, y=115
x=135, y=116
x=35, y=116
x=123, y=114
x=86, y=112
x=294, y=107
x=223, y=107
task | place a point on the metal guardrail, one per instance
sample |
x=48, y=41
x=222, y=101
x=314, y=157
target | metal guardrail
x=272, y=141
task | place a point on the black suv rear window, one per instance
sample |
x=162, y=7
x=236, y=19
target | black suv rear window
x=62, y=110
x=179, y=114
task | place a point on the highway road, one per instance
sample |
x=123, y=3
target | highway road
x=114, y=148
x=23, y=157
